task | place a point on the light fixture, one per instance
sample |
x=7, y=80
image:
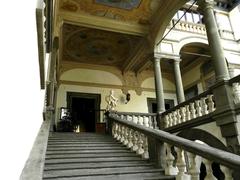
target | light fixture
x=128, y=97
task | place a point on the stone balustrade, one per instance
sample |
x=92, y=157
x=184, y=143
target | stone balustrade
x=190, y=27
x=132, y=139
x=144, y=119
x=191, y=109
x=180, y=163
x=187, y=165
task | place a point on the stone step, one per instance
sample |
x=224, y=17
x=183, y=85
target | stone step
x=92, y=156
x=99, y=171
x=96, y=165
x=136, y=176
x=84, y=145
x=86, y=151
x=89, y=155
x=85, y=148
x=80, y=142
x=96, y=160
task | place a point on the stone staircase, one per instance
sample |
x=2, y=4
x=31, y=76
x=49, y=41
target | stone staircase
x=93, y=156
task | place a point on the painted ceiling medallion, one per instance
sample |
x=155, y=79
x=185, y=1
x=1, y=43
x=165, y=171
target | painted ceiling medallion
x=123, y=4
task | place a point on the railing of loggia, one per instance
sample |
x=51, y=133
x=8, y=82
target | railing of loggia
x=146, y=119
x=189, y=154
x=235, y=83
x=195, y=107
x=190, y=27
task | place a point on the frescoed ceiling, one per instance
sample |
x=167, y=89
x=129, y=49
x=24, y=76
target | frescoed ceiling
x=139, y=11
x=93, y=46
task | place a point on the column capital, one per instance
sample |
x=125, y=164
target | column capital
x=177, y=60
x=205, y=4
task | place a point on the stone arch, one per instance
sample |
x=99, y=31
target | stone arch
x=164, y=18
x=190, y=40
x=198, y=134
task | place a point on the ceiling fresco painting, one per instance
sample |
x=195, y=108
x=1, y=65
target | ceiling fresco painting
x=138, y=11
x=94, y=46
x=123, y=4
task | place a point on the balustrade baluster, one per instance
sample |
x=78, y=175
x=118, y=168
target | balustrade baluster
x=140, y=120
x=169, y=169
x=145, y=155
x=170, y=119
x=227, y=172
x=135, y=141
x=183, y=113
x=119, y=132
x=155, y=122
x=179, y=118
x=150, y=121
x=192, y=110
x=198, y=108
x=130, y=139
x=209, y=172
x=125, y=142
x=122, y=116
x=114, y=128
x=211, y=107
x=175, y=120
x=181, y=165
x=140, y=150
x=122, y=134
x=204, y=106
x=188, y=113
x=194, y=169
x=135, y=120
x=145, y=121
x=166, y=121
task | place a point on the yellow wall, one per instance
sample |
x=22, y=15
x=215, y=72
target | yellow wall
x=191, y=76
x=89, y=75
x=167, y=85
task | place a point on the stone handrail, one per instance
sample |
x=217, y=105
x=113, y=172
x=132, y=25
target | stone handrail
x=197, y=106
x=136, y=136
x=33, y=168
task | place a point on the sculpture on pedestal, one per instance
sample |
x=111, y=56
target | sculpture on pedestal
x=111, y=101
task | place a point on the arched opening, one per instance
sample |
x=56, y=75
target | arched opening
x=196, y=68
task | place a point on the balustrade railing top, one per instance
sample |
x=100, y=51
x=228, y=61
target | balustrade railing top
x=134, y=113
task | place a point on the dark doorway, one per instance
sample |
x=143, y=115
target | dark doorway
x=152, y=104
x=84, y=110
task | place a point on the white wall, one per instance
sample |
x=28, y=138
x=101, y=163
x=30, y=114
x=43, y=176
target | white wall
x=21, y=100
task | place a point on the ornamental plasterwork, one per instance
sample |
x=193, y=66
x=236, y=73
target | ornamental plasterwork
x=139, y=11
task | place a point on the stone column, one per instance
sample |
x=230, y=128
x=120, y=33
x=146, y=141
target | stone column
x=159, y=85
x=178, y=81
x=220, y=65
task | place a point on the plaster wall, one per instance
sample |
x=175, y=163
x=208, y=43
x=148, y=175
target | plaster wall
x=150, y=83
x=234, y=18
x=89, y=75
x=191, y=76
